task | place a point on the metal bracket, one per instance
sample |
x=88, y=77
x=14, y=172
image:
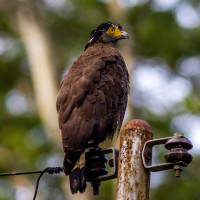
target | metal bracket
x=112, y=162
x=147, y=155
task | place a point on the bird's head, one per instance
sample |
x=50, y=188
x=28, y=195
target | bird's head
x=107, y=33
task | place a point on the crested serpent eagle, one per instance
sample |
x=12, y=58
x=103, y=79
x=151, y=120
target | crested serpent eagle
x=92, y=99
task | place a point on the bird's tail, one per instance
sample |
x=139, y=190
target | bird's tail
x=74, y=166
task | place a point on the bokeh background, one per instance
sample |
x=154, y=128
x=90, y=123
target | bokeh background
x=39, y=39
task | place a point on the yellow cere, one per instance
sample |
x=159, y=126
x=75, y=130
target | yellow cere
x=113, y=30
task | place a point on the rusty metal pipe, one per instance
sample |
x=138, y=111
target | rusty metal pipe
x=133, y=179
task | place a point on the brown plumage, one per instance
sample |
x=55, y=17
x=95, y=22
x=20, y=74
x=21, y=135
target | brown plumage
x=92, y=99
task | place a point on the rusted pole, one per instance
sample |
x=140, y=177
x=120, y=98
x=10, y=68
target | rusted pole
x=133, y=179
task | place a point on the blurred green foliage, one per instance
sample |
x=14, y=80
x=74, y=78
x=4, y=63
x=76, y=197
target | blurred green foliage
x=157, y=36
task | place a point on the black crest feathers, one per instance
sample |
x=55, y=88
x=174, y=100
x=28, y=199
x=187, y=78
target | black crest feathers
x=96, y=33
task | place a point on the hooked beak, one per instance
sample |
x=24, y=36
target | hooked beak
x=124, y=35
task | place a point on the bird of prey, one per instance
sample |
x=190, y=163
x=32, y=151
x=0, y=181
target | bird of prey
x=92, y=99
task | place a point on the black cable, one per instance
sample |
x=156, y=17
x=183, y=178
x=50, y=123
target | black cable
x=19, y=173
x=38, y=180
x=50, y=170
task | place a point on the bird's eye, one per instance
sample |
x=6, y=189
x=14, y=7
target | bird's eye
x=112, y=29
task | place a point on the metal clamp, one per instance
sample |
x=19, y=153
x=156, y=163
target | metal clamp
x=176, y=159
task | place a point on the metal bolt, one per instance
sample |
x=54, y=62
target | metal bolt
x=178, y=169
x=111, y=162
x=177, y=134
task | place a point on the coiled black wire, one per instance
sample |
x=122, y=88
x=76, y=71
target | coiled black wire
x=50, y=170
